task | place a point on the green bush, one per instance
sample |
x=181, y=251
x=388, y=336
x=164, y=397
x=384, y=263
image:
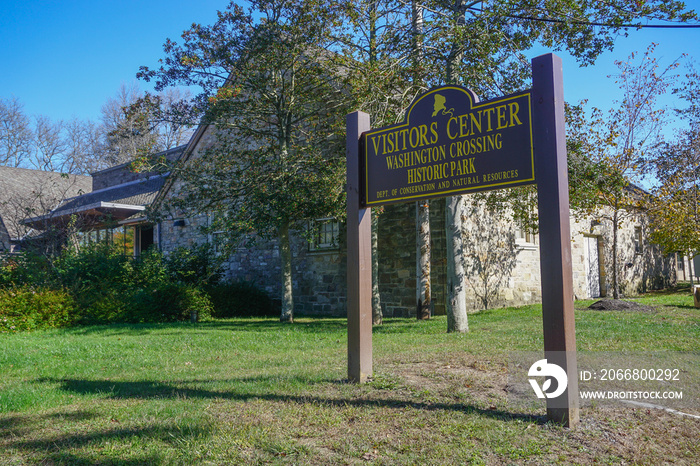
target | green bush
x=148, y=270
x=170, y=302
x=26, y=269
x=101, y=306
x=240, y=299
x=27, y=309
x=106, y=286
x=195, y=265
x=98, y=265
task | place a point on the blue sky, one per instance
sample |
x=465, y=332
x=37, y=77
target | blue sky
x=66, y=58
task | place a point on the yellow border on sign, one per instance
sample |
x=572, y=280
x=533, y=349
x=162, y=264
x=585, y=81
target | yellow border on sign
x=475, y=104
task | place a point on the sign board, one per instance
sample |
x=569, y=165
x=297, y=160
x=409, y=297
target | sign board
x=449, y=144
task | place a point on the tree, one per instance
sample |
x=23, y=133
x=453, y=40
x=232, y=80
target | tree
x=49, y=146
x=376, y=84
x=40, y=143
x=676, y=203
x=128, y=134
x=274, y=95
x=377, y=315
x=619, y=146
x=423, y=246
x=136, y=124
x=479, y=44
x=83, y=147
x=466, y=46
x=15, y=133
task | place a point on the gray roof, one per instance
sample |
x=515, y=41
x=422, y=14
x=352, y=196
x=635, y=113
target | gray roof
x=136, y=193
x=35, y=191
x=113, y=203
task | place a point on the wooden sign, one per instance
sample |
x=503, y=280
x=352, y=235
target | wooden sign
x=449, y=144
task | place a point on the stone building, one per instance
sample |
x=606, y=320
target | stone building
x=112, y=208
x=319, y=265
x=509, y=257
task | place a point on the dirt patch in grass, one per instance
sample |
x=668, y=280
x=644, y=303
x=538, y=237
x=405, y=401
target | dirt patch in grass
x=619, y=305
x=624, y=435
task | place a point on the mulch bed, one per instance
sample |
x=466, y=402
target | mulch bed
x=619, y=305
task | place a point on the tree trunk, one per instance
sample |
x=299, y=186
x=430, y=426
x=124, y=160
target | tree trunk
x=423, y=292
x=456, y=305
x=423, y=288
x=456, y=292
x=691, y=270
x=287, y=314
x=376, y=299
x=417, y=40
x=615, y=277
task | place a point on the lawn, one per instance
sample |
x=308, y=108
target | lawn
x=246, y=391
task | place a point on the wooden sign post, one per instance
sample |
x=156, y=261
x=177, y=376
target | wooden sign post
x=359, y=258
x=452, y=144
x=555, y=236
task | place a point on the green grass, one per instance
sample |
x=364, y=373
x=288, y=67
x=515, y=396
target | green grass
x=251, y=391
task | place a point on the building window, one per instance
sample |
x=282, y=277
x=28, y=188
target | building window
x=324, y=234
x=638, y=240
x=525, y=239
x=218, y=242
x=124, y=239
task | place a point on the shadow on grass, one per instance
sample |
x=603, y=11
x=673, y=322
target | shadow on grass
x=258, y=325
x=28, y=435
x=683, y=287
x=146, y=389
x=88, y=460
x=310, y=325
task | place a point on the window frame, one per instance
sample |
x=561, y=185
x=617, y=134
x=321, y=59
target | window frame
x=638, y=240
x=320, y=231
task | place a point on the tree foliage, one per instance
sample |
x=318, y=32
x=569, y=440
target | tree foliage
x=611, y=152
x=136, y=125
x=276, y=98
x=132, y=125
x=676, y=167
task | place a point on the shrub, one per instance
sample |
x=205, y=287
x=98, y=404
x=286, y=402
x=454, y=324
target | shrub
x=170, y=302
x=148, y=270
x=101, y=306
x=26, y=269
x=240, y=299
x=27, y=309
x=98, y=265
x=107, y=286
x=193, y=265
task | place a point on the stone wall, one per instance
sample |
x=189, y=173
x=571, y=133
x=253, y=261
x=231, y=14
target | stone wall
x=638, y=270
x=319, y=277
x=182, y=232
